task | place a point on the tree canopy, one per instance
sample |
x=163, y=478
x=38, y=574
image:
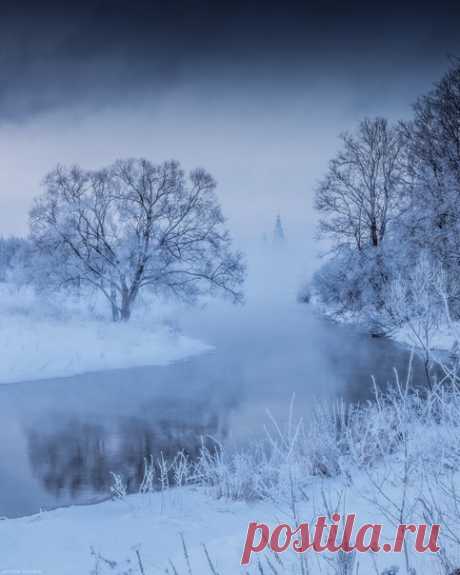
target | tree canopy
x=136, y=225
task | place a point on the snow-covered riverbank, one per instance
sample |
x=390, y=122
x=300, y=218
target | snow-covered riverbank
x=442, y=338
x=389, y=463
x=43, y=339
x=105, y=538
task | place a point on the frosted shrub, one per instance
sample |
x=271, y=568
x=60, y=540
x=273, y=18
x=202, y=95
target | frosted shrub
x=400, y=453
x=118, y=488
x=323, y=440
x=338, y=441
x=242, y=475
x=148, y=480
x=288, y=459
x=158, y=475
x=401, y=435
x=373, y=432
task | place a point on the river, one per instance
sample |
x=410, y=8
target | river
x=61, y=438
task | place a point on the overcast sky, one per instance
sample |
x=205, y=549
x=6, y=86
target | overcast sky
x=256, y=92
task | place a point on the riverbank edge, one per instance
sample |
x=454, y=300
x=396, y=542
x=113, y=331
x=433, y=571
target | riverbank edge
x=181, y=527
x=444, y=341
x=35, y=350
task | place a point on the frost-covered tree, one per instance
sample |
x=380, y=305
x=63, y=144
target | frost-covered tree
x=132, y=226
x=435, y=130
x=414, y=300
x=358, y=196
x=357, y=281
x=390, y=195
x=358, y=201
x=432, y=219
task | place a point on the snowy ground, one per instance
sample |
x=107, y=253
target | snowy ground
x=395, y=461
x=68, y=541
x=43, y=338
x=442, y=339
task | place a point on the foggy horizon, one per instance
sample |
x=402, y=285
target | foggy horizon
x=256, y=96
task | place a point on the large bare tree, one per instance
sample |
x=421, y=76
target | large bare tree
x=357, y=197
x=136, y=225
x=434, y=133
x=433, y=141
x=432, y=221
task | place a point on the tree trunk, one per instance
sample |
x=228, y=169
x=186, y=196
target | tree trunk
x=374, y=234
x=125, y=312
x=113, y=302
x=125, y=305
x=115, y=313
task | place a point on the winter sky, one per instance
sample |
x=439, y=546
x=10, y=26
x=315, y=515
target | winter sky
x=256, y=92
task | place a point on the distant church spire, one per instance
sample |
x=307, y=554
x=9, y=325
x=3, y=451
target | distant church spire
x=278, y=232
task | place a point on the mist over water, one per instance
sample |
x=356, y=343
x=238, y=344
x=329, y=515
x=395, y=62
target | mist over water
x=276, y=347
x=63, y=437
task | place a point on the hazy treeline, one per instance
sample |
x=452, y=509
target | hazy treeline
x=389, y=208
x=11, y=251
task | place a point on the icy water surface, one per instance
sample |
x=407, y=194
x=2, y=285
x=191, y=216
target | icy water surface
x=61, y=438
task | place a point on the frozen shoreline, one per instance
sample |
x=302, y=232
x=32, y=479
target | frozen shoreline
x=442, y=341
x=82, y=540
x=40, y=340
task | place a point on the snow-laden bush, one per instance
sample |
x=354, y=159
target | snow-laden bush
x=355, y=283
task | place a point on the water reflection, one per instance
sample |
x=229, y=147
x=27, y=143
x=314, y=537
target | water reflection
x=75, y=456
x=62, y=438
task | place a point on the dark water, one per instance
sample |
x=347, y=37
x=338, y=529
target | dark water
x=61, y=438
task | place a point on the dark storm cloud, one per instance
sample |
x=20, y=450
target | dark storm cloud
x=91, y=53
